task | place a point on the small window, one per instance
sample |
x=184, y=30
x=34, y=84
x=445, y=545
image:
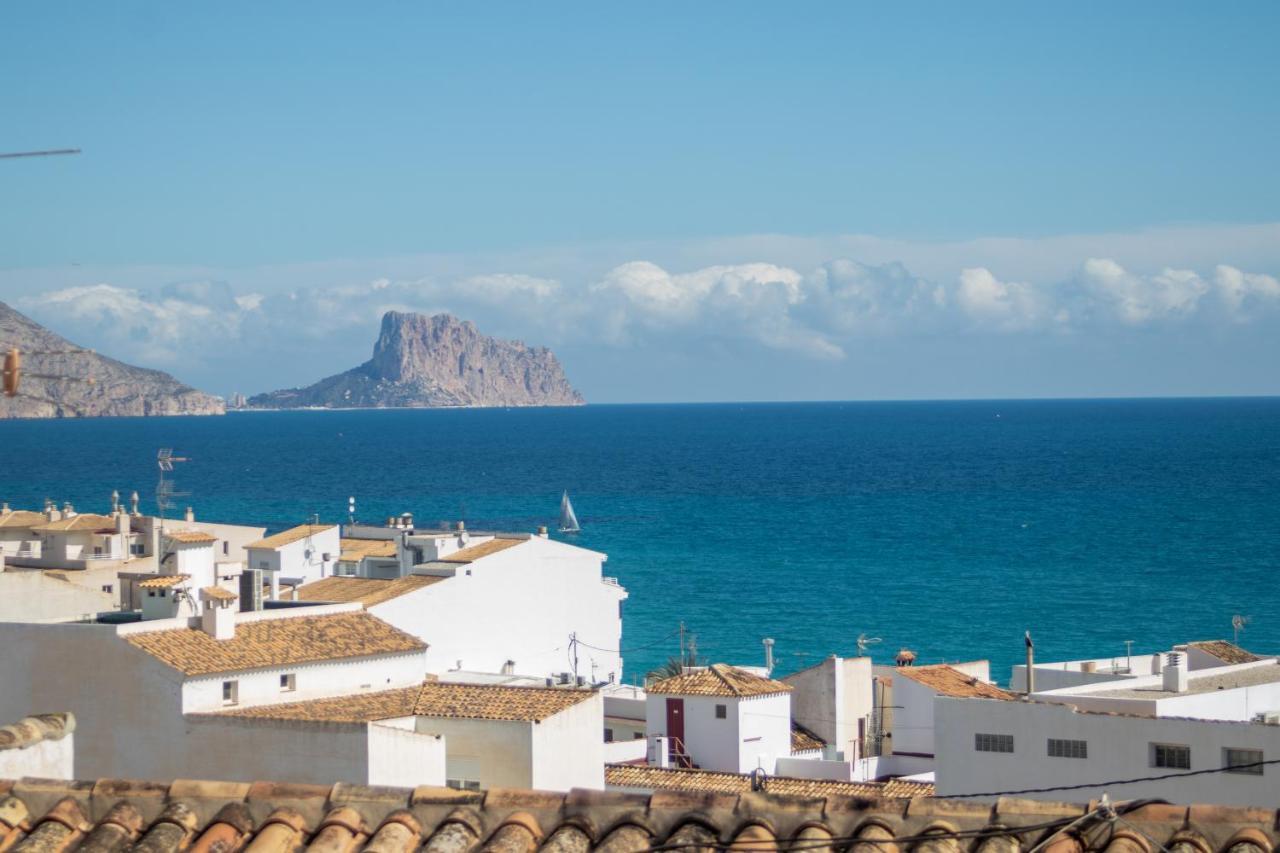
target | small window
x=289, y=682
x=463, y=784
x=608, y=735
x=151, y=593
x=230, y=692
x=1174, y=756
x=1247, y=761
x=637, y=735
x=106, y=587
x=722, y=711
x=226, y=547
x=1059, y=748
x=993, y=743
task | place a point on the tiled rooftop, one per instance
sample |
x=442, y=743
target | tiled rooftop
x=276, y=642
x=803, y=740
x=217, y=593
x=190, y=537
x=1228, y=653
x=81, y=522
x=484, y=549
x=21, y=518
x=354, y=550
x=116, y=815
x=164, y=581
x=718, y=680
x=949, y=681
x=288, y=537
x=368, y=591
x=430, y=699
x=714, y=781
x=31, y=730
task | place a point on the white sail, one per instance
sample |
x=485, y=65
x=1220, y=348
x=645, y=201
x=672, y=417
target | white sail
x=568, y=521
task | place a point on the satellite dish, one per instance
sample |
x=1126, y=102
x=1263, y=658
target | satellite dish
x=864, y=642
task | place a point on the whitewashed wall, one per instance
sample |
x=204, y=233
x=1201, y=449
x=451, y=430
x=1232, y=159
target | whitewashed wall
x=568, y=750
x=764, y=731
x=496, y=753
x=532, y=597
x=46, y=759
x=1118, y=748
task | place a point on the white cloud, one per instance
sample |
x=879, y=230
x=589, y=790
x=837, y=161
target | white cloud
x=639, y=304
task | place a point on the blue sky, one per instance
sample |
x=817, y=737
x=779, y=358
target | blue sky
x=244, y=158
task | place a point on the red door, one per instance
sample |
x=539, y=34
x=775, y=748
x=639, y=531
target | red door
x=675, y=732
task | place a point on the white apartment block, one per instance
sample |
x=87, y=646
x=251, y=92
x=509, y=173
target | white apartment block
x=542, y=600
x=294, y=557
x=1090, y=737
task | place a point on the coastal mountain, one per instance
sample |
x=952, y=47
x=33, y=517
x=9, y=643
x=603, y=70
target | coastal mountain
x=429, y=361
x=116, y=389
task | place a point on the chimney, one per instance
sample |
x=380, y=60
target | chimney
x=115, y=501
x=461, y=526
x=542, y=530
x=219, y=617
x=133, y=503
x=122, y=526
x=768, y=655
x=51, y=511
x=1157, y=663
x=191, y=515
x=4, y=508
x=67, y=509
x=1175, y=674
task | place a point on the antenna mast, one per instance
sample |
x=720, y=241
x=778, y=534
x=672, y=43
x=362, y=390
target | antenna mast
x=165, y=491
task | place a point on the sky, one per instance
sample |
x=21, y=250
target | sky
x=713, y=201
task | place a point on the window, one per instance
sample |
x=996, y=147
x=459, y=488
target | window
x=151, y=593
x=230, y=692
x=226, y=547
x=463, y=784
x=1068, y=748
x=106, y=587
x=608, y=735
x=637, y=735
x=722, y=712
x=289, y=682
x=1174, y=756
x=1237, y=757
x=993, y=743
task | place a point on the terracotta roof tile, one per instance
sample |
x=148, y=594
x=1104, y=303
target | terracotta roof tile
x=803, y=740
x=1228, y=653
x=718, y=680
x=949, y=681
x=354, y=550
x=81, y=522
x=368, y=591
x=190, y=537
x=21, y=518
x=668, y=778
x=217, y=593
x=32, y=730
x=430, y=699
x=400, y=820
x=276, y=642
x=288, y=537
x=484, y=549
x=164, y=581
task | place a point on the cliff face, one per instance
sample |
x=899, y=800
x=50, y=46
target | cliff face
x=425, y=361
x=117, y=389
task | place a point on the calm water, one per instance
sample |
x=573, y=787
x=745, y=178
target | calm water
x=948, y=528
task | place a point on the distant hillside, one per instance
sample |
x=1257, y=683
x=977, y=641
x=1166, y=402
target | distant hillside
x=424, y=361
x=118, y=389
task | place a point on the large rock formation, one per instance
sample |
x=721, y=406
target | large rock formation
x=117, y=389
x=423, y=361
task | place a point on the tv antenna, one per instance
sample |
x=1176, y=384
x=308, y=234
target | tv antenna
x=165, y=490
x=1238, y=623
x=864, y=642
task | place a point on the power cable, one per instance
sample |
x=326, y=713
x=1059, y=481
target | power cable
x=632, y=649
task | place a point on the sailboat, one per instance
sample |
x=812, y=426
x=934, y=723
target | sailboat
x=568, y=521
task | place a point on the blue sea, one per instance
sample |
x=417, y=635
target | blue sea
x=944, y=527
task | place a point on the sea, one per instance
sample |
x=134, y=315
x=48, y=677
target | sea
x=947, y=528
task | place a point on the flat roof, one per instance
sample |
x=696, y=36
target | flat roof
x=1197, y=684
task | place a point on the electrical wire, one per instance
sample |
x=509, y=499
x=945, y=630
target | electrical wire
x=1113, y=782
x=632, y=649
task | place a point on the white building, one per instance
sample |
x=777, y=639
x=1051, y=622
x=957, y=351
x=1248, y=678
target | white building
x=719, y=718
x=544, y=603
x=1092, y=736
x=906, y=694
x=834, y=700
x=297, y=556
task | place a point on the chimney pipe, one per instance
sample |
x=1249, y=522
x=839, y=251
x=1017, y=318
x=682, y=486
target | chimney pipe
x=462, y=526
x=133, y=503
x=1175, y=674
x=191, y=515
x=1031, y=664
x=115, y=501
x=768, y=655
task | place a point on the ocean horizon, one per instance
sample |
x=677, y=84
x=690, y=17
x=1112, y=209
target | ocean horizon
x=944, y=526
